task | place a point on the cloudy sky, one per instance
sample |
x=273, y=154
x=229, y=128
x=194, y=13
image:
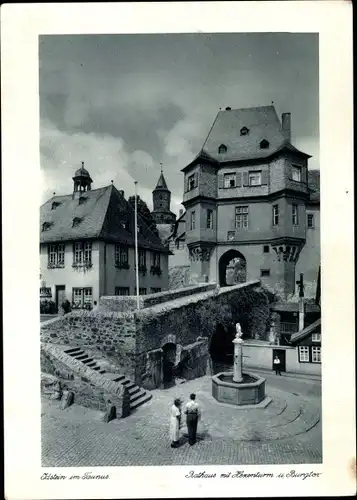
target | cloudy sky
x=125, y=103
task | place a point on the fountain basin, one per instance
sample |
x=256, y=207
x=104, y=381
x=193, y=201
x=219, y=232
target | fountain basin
x=251, y=391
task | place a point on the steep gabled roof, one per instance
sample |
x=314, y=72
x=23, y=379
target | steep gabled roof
x=161, y=183
x=104, y=214
x=262, y=124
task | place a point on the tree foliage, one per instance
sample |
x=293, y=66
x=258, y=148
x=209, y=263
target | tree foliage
x=144, y=213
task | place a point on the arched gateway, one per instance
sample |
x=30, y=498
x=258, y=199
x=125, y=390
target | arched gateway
x=232, y=268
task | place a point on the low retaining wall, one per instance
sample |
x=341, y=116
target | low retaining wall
x=129, y=303
x=90, y=388
x=261, y=356
x=111, y=333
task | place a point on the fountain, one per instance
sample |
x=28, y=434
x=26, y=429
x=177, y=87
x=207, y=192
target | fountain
x=238, y=388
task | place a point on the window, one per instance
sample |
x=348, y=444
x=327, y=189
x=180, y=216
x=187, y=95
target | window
x=316, y=337
x=209, y=219
x=266, y=248
x=231, y=235
x=310, y=220
x=264, y=144
x=82, y=297
x=242, y=217
x=264, y=273
x=142, y=259
x=122, y=291
x=316, y=354
x=296, y=173
x=244, y=131
x=155, y=290
x=229, y=180
x=45, y=292
x=193, y=220
x=82, y=253
x=121, y=256
x=76, y=221
x=155, y=260
x=275, y=215
x=255, y=178
x=46, y=226
x=304, y=354
x=56, y=255
x=191, y=180
x=55, y=204
x=222, y=149
x=295, y=215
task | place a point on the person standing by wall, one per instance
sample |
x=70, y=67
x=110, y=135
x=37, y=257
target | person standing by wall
x=193, y=414
x=175, y=423
x=277, y=367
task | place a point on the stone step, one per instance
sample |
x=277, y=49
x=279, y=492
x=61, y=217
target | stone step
x=139, y=394
x=102, y=372
x=92, y=364
x=87, y=360
x=134, y=390
x=80, y=356
x=115, y=377
x=128, y=384
x=96, y=368
x=72, y=350
x=143, y=399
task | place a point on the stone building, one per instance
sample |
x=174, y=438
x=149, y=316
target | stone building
x=87, y=243
x=249, y=197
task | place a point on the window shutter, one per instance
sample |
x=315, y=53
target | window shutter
x=196, y=179
x=264, y=177
x=303, y=174
x=238, y=179
x=188, y=183
x=220, y=181
x=245, y=179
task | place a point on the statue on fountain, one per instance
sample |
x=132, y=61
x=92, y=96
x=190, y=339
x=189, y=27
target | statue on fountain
x=239, y=332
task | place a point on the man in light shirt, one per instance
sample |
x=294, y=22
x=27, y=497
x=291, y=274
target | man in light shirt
x=193, y=414
x=277, y=365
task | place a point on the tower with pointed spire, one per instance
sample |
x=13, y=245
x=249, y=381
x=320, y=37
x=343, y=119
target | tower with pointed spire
x=161, y=196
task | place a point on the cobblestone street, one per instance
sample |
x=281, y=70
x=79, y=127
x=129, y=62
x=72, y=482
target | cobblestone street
x=286, y=431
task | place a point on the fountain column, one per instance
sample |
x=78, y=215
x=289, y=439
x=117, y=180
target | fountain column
x=238, y=355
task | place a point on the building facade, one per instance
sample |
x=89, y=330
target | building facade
x=87, y=250
x=248, y=199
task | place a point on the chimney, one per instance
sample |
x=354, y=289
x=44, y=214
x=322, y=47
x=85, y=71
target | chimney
x=286, y=126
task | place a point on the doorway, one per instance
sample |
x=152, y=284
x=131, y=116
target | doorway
x=60, y=295
x=168, y=364
x=281, y=353
x=232, y=268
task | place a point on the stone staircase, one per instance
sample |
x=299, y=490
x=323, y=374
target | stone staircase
x=138, y=395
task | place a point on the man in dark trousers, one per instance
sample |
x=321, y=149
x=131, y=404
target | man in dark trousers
x=277, y=365
x=193, y=414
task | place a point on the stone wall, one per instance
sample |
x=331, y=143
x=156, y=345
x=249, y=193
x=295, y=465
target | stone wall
x=113, y=334
x=183, y=320
x=127, y=304
x=90, y=389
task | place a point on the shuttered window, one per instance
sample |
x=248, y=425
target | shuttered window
x=192, y=181
x=264, y=177
x=245, y=179
x=238, y=179
x=229, y=180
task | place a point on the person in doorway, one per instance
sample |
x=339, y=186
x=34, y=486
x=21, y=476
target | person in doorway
x=193, y=414
x=277, y=366
x=175, y=423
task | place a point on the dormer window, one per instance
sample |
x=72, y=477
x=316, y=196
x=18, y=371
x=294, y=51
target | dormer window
x=76, y=221
x=82, y=200
x=46, y=226
x=244, y=131
x=264, y=144
x=222, y=149
x=55, y=204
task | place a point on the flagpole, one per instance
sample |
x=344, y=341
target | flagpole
x=136, y=249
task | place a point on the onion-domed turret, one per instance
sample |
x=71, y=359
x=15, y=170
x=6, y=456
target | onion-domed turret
x=82, y=180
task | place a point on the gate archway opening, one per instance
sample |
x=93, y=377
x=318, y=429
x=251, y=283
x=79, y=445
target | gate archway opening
x=221, y=348
x=168, y=364
x=232, y=268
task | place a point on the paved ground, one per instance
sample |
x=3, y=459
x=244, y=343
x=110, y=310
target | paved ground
x=287, y=431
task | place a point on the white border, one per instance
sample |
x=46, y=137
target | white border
x=21, y=25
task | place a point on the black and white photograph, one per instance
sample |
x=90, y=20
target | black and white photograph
x=180, y=268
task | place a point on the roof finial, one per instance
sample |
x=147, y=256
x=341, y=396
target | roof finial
x=161, y=168
x=54, y=193
x=272, y=102
x=112, y=181
x=82, y=164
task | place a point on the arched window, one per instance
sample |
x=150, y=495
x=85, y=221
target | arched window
x=264, y=144
x=244, y=131
x=222, y=149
